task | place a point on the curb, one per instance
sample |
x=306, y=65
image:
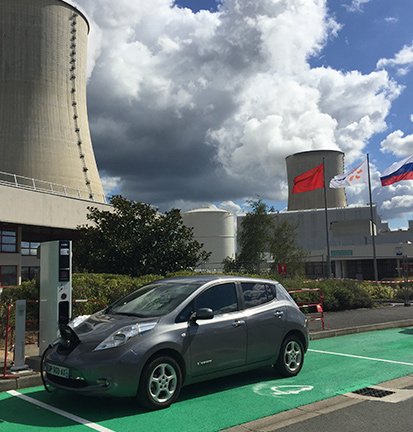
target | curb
x=360, y=329
x=33, y=380
x=20, y=382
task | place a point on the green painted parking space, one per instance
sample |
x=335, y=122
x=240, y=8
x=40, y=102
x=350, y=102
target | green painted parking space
x=333, y=366
x=17, y=415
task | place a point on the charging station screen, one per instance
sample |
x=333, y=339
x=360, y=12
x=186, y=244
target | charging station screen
x=64, y=261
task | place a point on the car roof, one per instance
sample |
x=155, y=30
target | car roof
x=203, y=279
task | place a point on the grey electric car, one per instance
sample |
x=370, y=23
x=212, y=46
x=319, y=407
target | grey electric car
x=179, y=331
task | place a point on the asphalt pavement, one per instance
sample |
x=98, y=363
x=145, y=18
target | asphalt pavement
x=361, y=317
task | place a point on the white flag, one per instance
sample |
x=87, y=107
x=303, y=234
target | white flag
x=355, y=176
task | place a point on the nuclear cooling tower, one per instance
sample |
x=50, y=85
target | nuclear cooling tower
x=299, y=163
x=44, y=129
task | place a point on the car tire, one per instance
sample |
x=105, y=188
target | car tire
x=160, y=383
x=291, y=357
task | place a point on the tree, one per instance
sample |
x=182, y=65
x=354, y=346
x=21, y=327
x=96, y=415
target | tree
x=262, y=235
x=135, y=239
x=253, y=237
x=283, y=247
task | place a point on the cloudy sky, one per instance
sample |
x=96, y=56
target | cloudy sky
x=199, y=101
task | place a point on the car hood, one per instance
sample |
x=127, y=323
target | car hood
x=101, y=325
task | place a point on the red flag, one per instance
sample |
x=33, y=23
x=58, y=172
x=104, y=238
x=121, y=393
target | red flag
x=309, y=180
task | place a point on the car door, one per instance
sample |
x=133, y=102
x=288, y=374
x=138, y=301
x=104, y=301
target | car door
x=221, y=342
x=265, y=320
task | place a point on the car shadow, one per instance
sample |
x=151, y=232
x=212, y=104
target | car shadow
x=228, y=382
x=99, y=409
x=408, y=331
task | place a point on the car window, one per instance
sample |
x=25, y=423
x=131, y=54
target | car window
x=256, y=294
x=153, y=300
x=185, y=313
x=220, y=298
x=283, y=294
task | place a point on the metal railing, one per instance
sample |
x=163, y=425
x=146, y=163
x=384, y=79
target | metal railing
x=48, y=187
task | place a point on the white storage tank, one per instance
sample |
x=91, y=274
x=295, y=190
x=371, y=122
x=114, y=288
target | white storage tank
x=216, y=230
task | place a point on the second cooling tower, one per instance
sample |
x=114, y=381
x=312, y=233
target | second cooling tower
x=299, y=163
x=44, y=129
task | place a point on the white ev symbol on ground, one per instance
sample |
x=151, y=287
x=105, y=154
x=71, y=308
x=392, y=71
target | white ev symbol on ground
x=266, y=389
x=290, y=389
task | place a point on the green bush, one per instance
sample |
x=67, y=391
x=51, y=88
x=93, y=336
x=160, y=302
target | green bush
x=26, y=291
x=338, y=294
x=102, y=289
x=380, y=292
x=404, y=291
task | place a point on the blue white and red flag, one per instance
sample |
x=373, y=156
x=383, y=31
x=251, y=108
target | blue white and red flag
x=402, y=170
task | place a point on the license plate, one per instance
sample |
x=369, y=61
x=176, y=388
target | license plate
x=57, y=370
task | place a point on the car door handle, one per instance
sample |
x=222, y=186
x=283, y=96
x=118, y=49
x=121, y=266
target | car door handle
x=238, y=323
x=278, y=314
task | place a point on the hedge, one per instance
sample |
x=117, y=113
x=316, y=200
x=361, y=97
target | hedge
x=102, y=289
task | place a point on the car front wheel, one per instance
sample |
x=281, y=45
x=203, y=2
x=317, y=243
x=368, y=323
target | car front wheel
x=291, y=357
x=160, y=384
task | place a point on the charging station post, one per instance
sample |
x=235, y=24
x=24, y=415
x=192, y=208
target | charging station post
x=55, y=306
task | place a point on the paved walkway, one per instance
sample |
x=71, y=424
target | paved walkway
x=361, y=317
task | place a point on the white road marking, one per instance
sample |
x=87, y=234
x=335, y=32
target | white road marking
x=361, y=357
x=60, y=412
x=290, y=389
x=268, y=389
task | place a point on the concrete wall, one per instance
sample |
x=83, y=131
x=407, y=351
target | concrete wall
x=27, y=207
x=44, y=129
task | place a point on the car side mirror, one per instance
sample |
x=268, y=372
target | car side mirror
x=202, y=314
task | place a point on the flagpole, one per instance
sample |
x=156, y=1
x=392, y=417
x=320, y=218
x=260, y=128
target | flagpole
x=373, y=225
x=326, y=217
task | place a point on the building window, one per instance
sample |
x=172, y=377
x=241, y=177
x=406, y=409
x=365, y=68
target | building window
x=29, y=273
x=8, y=275
x=8, y=240
x=29, y=248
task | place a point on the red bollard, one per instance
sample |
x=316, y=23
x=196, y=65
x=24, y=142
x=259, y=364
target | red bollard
x=6, y=343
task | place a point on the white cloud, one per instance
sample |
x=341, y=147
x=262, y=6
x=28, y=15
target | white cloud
x=395, y=201
x=398, y=144
x=192, y=108
x=402, y=61
x=391, y=20
x=399, y=202
x=356, y=5
x=231, y=207
x=111, y=185
x=411, y=118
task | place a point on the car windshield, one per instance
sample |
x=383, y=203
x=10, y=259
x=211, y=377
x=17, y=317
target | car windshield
x=154, y=300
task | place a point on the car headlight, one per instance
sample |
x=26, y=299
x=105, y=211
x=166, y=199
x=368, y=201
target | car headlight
x=122, y=335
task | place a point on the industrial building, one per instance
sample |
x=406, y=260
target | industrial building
x=349, y=228
x=48, y=172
